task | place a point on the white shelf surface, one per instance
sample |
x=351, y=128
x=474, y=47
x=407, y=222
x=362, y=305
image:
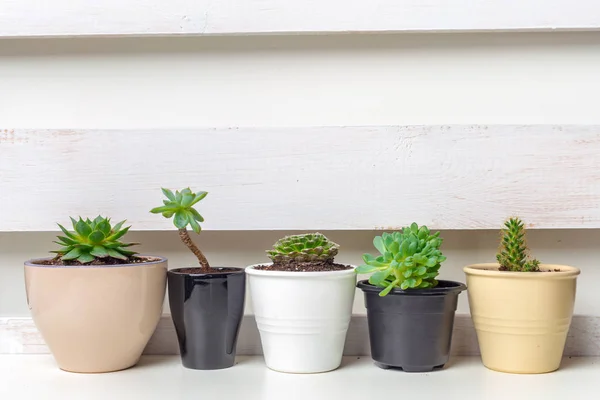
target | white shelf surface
x=163, y=377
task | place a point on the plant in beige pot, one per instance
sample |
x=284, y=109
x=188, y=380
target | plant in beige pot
x=97, y=303
x=207, y=303
x=521, y=308
x=302, y=303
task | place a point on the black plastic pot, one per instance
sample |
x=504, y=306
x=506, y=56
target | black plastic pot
x=207, y=310
x=411, y=329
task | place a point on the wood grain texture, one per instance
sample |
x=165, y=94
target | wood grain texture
x=19, y=336
x=25, y=18
x=336, y=178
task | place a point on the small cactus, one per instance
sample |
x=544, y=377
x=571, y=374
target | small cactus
x=309, y=247
x=513, y=251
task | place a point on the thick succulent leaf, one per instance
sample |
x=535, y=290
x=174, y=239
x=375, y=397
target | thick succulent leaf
x=199, y=196
x=180, y=220
x=187, y=199
x=65, y=240
x=387, y=290
x=96, y=237
x=365, y=269
x=66, y=232
x=99, y=251
x=118, y=234
x=116, y=254
x=380, y=276
x=127, y=253
x=71, y=255
x=194, y=224
x=169, y=194
x=378, y=243
x=161, y=209
x=85, y=258
x=83, y=229
x=118, y=226
x=104, y=227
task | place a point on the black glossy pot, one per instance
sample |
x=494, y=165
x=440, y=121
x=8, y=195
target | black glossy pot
x=207, y=310
x=411, y=329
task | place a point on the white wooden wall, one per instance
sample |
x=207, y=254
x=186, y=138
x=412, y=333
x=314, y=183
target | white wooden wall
x=20, y=18
x=332, y=178
x=346, y=133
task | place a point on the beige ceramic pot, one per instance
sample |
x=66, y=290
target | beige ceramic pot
x=96, y=318
x=521, y=318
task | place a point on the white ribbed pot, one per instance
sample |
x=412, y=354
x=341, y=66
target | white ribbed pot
x=302, y=317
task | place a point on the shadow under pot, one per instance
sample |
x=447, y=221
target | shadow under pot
x=207, y=309
x=411, y=329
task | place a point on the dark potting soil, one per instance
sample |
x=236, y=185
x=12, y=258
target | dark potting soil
x=198, y=270
x=99, y=261
x=312, y=266
x=504, y=269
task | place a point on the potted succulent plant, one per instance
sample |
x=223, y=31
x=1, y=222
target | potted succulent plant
x=97, y=303
x=302, y=303
x=207, y=303
x=410, y=314
x=521, y=309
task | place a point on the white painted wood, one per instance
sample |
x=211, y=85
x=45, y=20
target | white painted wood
x=19, y=336
x=345, y=178
x=24, y=18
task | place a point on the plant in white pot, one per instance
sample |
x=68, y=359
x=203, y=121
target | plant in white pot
x=302, y=303
x=96, y=303
x=410, y=313
x=521, y=308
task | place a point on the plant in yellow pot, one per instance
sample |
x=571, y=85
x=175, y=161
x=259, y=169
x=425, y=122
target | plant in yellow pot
x=521, y=308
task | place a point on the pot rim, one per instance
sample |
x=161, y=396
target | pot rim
x=491, y=270
x=176, y=272
x=457, y=287
x=250, y=270
x=32, y=263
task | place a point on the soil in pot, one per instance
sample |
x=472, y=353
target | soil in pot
x=411, y=329
x=98, y=261
x=312, y=266
x=207, y=306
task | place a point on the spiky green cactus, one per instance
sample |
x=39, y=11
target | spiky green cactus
x=513, y=251
x=303, y=248
x=409, y=259
x=92, y=240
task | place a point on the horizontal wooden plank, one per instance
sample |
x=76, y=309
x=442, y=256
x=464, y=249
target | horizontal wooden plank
x=335, y=178
x=20, y=336
x=26, y=18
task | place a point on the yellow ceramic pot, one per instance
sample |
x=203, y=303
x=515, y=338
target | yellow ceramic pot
x=521, y=318
x=96, y=318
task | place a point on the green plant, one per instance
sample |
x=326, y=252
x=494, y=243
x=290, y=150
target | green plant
x=92, y=240
x=410, y=259
x=513, y=253
x=308, y=247
x=179, y=206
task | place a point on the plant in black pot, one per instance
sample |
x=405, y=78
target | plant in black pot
x=207, y=303
x=410, y=314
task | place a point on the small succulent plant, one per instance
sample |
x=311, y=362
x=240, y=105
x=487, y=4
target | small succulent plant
x=308, y=247
x=92, y=240
x=513, y=254
x=179, y=206
x=410, y=259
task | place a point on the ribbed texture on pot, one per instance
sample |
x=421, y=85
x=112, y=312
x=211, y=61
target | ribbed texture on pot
x=521, y=318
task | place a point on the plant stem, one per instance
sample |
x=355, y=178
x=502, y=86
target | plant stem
x=185, y=238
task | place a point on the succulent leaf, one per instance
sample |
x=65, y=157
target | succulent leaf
x=180, y=206
x=513, y=253
x=93, y=239
x=410, y=259
x=308, y=247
